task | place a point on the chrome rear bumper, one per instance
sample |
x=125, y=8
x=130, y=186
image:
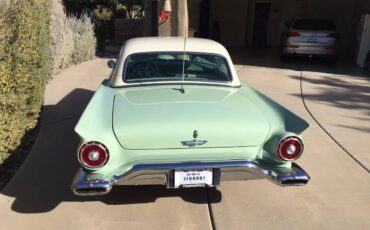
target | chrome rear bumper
x=149, y=174
x=316, y=51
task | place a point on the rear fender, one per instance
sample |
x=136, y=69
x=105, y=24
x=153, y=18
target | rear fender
x=95, y=124
x=283, y=122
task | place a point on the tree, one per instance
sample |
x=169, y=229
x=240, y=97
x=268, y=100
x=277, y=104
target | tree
x=131, y=9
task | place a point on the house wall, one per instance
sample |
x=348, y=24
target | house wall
x=346, y=13
x=275, y=21
x=235, y=18
x=231, y=16
x=343, y=12
x=367, y=6
x=193, y=8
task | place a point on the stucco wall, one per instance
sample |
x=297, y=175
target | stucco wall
x=56, y=6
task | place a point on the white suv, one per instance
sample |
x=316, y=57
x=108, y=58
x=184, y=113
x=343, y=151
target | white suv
x=311, y=37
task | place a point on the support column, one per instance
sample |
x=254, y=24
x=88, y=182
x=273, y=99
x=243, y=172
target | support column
x=183, y=18
x=178, y=21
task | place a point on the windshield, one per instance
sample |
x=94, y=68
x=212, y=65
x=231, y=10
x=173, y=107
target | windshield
x=154, y=67
x=314, y=24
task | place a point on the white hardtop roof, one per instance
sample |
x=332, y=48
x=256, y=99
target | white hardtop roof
x=155, y=44
x=170, y=44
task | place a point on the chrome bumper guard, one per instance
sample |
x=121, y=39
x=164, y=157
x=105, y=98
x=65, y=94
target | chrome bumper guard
x=149, y=174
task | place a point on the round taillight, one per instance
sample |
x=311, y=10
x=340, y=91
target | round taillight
x=93, y=154
x=290, y=149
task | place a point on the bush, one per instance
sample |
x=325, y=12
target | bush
x=61, y=43
x=72, y=41
x=24, y=55
x=83, y=39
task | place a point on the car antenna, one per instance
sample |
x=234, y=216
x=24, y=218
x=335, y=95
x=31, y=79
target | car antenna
x=182, y=90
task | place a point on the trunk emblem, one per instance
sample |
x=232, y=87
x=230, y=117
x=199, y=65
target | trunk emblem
x=194, y=142
x=195, y=134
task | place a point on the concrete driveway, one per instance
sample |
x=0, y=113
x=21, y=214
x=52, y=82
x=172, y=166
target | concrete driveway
x=336, y=156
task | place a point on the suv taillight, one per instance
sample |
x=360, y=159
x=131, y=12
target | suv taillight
x=290, y=148
x=334, y=35
x=293, y=34
x=93, y=154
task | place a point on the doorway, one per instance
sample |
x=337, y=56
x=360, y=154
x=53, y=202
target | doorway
x=154, y=18
x=204, y=19
x=261, y=23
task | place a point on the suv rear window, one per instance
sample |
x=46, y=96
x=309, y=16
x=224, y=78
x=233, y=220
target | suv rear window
x=314, y=24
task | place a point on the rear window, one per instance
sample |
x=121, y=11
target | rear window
x=156, y=67
x=314, y=24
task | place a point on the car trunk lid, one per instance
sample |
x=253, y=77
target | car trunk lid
x=161, y=117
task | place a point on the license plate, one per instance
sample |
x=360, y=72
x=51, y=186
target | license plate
x=193, y=178
x=311, y=39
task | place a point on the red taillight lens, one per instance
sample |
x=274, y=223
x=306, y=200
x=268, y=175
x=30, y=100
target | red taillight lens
x=334, y=35
x=293, y=34
x=93, y=154
x=290, y=149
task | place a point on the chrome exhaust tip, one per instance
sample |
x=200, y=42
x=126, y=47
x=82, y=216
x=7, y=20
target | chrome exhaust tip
x=90, y=191
x=83, y=187
x=294, y=177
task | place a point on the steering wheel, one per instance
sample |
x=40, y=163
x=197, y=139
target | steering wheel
x=144, y=69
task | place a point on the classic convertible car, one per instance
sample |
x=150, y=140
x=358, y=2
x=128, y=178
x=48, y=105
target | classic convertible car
x=174, y=112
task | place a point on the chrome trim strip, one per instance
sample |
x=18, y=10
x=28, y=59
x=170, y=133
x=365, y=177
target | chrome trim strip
x=229, y=170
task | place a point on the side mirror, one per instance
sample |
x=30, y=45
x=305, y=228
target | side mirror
x=111, y=64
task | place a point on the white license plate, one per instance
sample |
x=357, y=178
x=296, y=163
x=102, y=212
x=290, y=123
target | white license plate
x=311, y=39
x=193, y=178
x=307, y=39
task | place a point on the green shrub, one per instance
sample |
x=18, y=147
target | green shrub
x=24, y=55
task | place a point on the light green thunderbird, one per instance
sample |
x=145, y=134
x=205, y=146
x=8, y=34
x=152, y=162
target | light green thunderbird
x=174, y=112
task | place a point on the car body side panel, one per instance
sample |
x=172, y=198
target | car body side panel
x=95, y=124
x=283, y=122
x=280, y=118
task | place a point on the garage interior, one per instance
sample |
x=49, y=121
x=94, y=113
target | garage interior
x=255, y=26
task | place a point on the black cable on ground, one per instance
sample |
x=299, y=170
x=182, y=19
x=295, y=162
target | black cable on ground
x=319, y=124
x=210, y=210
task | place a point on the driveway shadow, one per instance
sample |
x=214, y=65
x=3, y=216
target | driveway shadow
x=44, y=179
x=336, y=92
